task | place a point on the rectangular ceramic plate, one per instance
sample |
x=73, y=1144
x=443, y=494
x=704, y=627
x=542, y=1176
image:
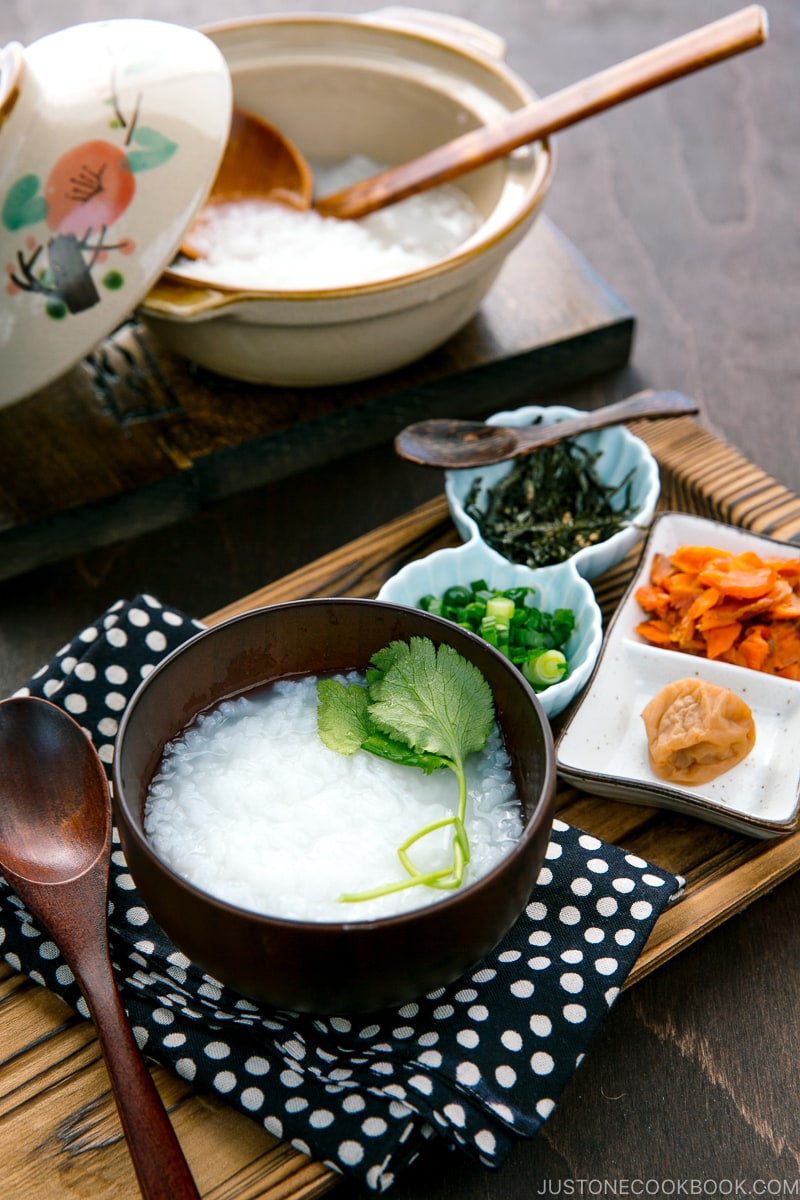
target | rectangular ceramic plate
x=603, y=747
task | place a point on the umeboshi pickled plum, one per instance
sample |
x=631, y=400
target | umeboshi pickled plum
x=696, y=731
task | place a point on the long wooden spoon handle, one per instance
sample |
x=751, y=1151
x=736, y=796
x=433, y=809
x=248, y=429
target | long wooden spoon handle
x=742, y=30
x=648, y=404
x=161, y=1168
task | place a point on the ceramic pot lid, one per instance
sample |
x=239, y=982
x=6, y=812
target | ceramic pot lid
x=110, y=137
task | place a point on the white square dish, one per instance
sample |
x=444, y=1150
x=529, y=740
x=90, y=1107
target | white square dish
x=603, y=747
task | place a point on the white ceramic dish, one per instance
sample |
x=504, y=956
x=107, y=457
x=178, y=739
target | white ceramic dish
x=603, y=748
x=335, y=85
x=620, y=451
x=110, y=136
x=558, y=587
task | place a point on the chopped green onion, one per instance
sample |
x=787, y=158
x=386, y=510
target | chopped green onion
x=501, y=608
x=456, y=597
x=511, y=622
x=431, y=604
x=545, y=669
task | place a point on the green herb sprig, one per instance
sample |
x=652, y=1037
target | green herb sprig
x=420, y=706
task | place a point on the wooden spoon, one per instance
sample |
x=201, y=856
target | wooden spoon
x=460, y=444
x=258, y=163
x=253, y=166
x=55, y=848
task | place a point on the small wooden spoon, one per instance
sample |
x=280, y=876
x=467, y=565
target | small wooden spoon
x=460, y=444
x=255, y=162
x=258, y=163
x=55, y=848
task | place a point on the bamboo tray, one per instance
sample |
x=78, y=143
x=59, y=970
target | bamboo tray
x=59, y=1132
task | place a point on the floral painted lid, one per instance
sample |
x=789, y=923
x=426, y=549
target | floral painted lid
x=110, y=137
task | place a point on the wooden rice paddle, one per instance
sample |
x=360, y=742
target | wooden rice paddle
x=260, y=163
x=742, y=30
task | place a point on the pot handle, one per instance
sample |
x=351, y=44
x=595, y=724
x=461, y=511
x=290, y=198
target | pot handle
x=442, y=26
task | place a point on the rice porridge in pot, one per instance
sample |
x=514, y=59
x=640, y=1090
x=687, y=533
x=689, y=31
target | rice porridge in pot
x=257, y=244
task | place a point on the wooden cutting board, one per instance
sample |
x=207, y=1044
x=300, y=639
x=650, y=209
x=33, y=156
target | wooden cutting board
x=133, y=438
x=59, y=1132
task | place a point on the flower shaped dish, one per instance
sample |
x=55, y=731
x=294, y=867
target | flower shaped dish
x=620, y=454
x=558, y=586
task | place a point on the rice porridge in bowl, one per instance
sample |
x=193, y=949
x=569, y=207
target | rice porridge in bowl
x=277, y=823
x=250, y=805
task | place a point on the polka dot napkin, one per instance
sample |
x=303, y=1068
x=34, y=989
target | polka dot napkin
x=480, y=1063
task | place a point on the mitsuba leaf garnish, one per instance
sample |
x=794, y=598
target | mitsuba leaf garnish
x=420, y=706
x=345, y=725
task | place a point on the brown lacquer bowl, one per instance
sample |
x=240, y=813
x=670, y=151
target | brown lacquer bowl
x=327, y=967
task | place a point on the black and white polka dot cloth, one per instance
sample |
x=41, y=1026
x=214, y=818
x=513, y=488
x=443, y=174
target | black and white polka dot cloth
x=481, y=1062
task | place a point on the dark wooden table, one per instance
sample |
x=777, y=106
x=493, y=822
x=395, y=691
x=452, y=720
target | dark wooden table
x=685, y=202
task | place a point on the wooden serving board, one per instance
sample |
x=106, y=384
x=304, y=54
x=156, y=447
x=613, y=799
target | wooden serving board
x=133, y=438
x=59, y=1132
x=699, y=474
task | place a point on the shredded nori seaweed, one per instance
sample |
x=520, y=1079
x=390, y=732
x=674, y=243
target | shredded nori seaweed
x=551, y=504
